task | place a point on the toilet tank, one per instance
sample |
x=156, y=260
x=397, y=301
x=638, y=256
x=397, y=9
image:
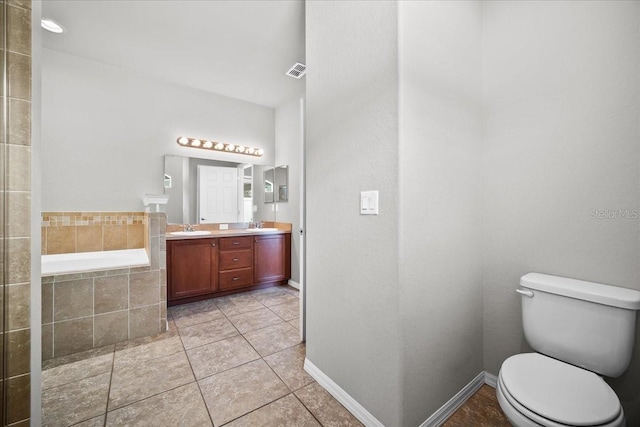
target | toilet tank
x=586, y=324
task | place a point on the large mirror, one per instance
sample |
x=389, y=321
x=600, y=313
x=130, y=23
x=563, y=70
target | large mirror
x=213, y=191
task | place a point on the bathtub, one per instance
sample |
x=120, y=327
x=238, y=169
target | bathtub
x=92, y=261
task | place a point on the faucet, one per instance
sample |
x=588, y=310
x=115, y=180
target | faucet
x=257, y=224
x=189, y=227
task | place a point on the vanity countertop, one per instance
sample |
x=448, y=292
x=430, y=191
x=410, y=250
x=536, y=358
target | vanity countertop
x=225, y=233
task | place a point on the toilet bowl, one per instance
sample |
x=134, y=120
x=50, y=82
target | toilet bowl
x=536, y=390
x=580, y=331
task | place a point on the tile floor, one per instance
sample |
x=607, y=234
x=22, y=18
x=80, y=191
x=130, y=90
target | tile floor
x=482, y=410
x=234, y=361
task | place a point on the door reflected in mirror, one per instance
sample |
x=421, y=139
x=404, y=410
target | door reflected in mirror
x=215, y=191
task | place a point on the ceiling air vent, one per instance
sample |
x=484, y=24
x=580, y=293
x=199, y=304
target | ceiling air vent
x=297, y=71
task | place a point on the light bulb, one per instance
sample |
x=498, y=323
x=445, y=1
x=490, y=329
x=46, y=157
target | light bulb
x=207, y=144
x=259, y=152
x=51, y=25
x=250, y=150
x=219, y=146
x=240, y=149
x=231, y=147
x=183, y=141
x=195, y=143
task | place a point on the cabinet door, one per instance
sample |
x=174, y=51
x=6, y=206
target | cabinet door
x=192, y=267
x=271, y=258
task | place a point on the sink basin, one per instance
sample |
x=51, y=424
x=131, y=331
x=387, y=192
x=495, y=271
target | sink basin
x=190, y=233
x=261, y=229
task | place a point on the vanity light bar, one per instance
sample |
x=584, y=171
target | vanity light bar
x=219, y=146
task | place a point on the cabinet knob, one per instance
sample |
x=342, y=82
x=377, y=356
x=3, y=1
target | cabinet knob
x=213, y=244
x=236, y=259
x=236, y=243
x=235, y=278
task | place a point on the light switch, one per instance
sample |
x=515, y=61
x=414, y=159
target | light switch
x=369, y=203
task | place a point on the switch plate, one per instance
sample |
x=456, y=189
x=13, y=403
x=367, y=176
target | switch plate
x=369, y=203
x=224, y=226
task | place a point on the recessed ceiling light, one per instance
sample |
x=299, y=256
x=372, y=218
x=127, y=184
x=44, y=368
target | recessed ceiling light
x=51, y=25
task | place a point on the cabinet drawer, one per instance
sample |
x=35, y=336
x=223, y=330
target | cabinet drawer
x=233, y=243
x=230, y=260
x=236, y=278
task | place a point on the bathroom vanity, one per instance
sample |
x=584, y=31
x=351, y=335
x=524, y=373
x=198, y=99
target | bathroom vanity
x=226, y=262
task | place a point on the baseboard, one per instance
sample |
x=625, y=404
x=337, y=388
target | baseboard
x=352, y=405
x=490, y=379
x=440, y=416
x=294, y=284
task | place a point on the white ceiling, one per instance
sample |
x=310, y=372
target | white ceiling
x=239, y=49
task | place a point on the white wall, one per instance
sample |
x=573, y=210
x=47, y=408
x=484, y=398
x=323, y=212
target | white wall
x=105, y=131
x=561, y=138
x=440, y=189
x=352, y=146
x=289, y=152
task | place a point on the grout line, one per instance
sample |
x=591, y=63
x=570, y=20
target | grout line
x=259, y=407
x=106, y=409
x=305, y=406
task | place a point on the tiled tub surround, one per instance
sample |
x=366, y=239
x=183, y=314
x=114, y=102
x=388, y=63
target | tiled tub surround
x=71, y=232
x=89, y=309
x=15, y=210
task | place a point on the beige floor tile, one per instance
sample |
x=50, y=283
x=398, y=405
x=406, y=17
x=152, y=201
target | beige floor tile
x=182, y=407
x=136, y=382
x=291, y=290
x=188, y=314
x=93, y=422
x=295, y=323
x=265, y=291
x=237, y=304
x=206, y=333
x=76, y=357
x=145, y=352
x=274, y=338
x=235, y=392
x=288, y=365
x=324, y=407
x=275, y=298
x=288, y=310
x=219, y=356
x=285, y=412
x=76, y=371
x=255, y=319
x=74, y=402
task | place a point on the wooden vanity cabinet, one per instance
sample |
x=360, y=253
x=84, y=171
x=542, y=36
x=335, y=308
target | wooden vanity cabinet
x=272, y=258
x=204, y=267
x=192, y=267
x=236, y=262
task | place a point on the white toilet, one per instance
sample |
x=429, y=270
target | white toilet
x=580, y=331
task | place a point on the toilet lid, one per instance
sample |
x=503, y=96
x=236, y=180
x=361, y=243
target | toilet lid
x=558, y=391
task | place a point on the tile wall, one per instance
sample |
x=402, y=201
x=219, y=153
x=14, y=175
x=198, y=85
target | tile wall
x=96, y=308
x=15, y=212
x=71, y=232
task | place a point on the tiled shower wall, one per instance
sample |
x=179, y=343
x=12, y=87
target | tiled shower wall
x=15, y=218
x=92, y=309
x=71, y=232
